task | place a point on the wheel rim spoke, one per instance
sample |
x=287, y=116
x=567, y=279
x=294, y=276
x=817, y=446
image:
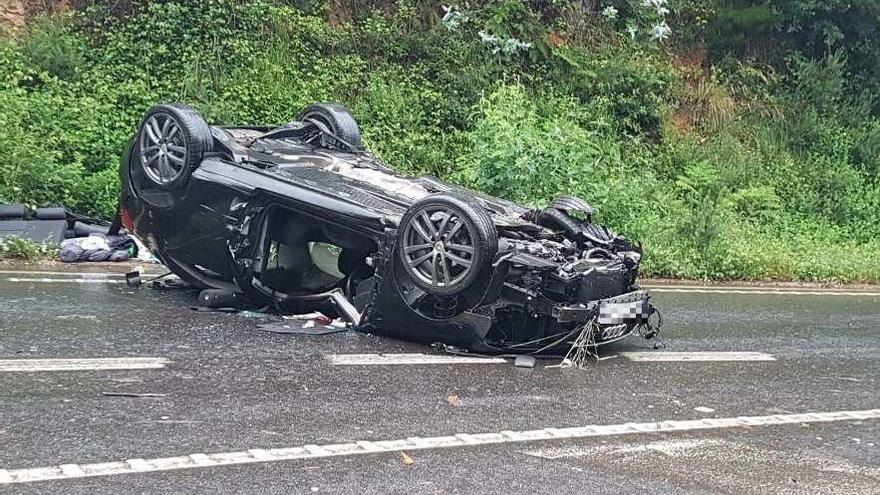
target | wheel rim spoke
x=460, y=248
x=441, y=276
x=421, y=230
x=165, y=127
x=455, y=229
x=446, y=269
x=417, y=247
x=158, y=168
x=150, y=161
x=153, y=125
x=175, y=159
x=151, y=134
x=441, y=230
x=459, y=260
x=433, y=268
x=426, y=222
x=174, y=129
x=421, y=259
x=165, y=170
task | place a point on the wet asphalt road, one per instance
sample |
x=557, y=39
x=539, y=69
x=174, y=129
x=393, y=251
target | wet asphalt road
x=231, y=387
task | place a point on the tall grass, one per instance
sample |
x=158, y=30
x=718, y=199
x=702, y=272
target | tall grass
x=731, y=170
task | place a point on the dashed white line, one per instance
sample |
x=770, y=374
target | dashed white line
x=404, y=358
x=69, y=274
x=87, y=364
x=460, y=440
x=697, y=356
x=66, y=280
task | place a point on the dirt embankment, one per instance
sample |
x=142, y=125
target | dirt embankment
x=12, y=13
x=17, y=13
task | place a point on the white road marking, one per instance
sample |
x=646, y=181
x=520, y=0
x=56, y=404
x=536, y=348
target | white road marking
x=756, y=290
x=66, y=280
x=69, y=274
x=671, y=447
x=697, y=356
x=415, y=358
x=461, y=440
x=89, y=364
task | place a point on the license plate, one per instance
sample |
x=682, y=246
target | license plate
x=616, y=313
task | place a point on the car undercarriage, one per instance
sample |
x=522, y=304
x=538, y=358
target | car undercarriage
x=300, y=217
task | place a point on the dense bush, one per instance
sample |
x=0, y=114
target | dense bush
x=761, y=160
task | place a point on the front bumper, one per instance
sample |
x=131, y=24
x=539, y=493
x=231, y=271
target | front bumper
x=507, y=318
x=632, y=308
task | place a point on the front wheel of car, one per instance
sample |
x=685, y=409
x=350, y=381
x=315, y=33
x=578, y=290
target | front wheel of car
x=172, y=141
x=447, y=242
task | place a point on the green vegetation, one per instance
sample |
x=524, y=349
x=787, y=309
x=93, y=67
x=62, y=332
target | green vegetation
x=25, y=249
x=734, y=138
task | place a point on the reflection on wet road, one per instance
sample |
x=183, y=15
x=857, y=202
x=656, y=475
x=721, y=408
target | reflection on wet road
x=778, y=384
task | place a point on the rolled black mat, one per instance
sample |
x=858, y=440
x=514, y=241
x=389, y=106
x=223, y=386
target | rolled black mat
x=51, y=213
x=84, y=229
x=13, y=211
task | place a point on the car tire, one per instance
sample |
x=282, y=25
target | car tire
x=172, y=140
x=446, y=242
x=339, y=121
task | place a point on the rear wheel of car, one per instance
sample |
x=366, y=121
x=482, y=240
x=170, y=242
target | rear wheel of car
x=447, y=242
x=336, y=119
x=172, y=141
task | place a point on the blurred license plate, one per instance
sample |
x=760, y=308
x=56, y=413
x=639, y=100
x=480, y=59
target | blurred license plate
x=615, y=313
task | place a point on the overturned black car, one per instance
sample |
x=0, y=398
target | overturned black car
x=301, y=217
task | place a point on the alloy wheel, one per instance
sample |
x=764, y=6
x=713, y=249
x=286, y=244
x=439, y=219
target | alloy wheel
x=438, y=246
x=163, y=148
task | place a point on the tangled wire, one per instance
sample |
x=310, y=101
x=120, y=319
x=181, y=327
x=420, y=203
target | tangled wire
x=585, y=347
